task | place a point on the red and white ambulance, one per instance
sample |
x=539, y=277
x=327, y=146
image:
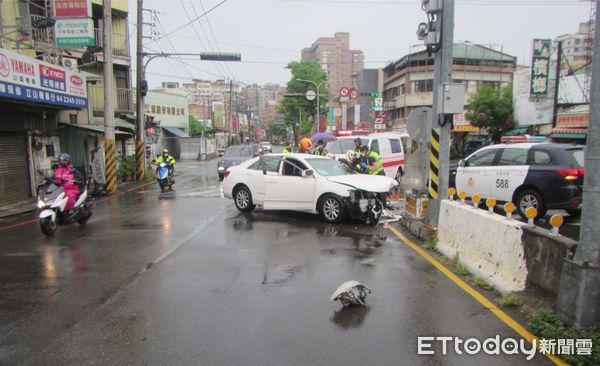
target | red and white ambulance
x=387, y=144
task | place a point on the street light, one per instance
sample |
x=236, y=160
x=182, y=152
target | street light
x=318, y=97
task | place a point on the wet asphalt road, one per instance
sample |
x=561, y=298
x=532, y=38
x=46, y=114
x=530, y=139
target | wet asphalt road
x=182, y=278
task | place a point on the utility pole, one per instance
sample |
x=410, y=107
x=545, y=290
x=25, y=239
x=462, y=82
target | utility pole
x=230, y=118
x=579, y=292
x=109, y=108
x=140, y=145
x=440, y=127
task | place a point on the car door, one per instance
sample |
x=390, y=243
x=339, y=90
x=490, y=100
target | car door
x=511, y=170
x=475, y=176
x=289, y=190
x=255, y=177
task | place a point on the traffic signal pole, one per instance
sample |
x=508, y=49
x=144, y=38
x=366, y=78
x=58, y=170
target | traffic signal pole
x=140, y=145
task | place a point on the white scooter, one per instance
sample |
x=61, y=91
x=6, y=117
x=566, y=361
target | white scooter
x=52, y=202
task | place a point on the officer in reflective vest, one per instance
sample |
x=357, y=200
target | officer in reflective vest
x=373, y=160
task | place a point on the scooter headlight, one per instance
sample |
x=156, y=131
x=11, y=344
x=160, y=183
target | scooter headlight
x=41, y=204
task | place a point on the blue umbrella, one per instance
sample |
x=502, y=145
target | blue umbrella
x=323, y=136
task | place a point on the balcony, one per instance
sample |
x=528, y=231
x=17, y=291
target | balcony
x=122, y=99
x=119, y=42
x=43, y=37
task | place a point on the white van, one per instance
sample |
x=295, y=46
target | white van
x=387, y=144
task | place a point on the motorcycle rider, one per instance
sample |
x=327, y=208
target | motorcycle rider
x=166, y=158
x=321, y=150
x=355, y=162
x=69, y=178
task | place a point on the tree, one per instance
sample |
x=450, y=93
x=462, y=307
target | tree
x=276, y=132
x=196, y=127
x=492, y=109
x=296, y=108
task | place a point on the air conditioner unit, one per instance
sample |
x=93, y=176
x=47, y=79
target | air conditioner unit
x=69, y=63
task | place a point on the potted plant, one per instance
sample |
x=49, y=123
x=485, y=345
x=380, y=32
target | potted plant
x=127, y=166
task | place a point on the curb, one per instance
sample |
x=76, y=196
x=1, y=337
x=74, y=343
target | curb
x=418, y=228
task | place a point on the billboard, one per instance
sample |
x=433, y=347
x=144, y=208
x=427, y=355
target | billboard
x=30, y=80
x=76, y=32
x=526, y=111
x=540, y=64
x=73, y=8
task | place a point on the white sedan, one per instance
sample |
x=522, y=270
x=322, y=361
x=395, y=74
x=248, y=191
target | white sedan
x=307, y=183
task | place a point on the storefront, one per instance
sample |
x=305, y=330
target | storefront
x=32, y=92
x=572, y=125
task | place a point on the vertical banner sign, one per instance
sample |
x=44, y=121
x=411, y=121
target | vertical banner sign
x=540, y=64
x=379, y=123
x=331, y=117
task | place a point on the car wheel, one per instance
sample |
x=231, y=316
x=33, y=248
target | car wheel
x=243, y=199
x=332, y=209
x=530, y=198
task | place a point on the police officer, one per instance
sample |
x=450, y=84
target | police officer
x=289, y=149
x=166, y=158
x=373, y=160
x=321, y=150
x=357, y=143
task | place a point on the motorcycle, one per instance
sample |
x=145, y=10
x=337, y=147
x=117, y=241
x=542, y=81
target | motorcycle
x=164, y=176
x=52, y=202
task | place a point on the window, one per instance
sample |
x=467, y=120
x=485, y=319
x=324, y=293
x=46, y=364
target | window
x=293, y=167
x=482, y=158
x=374, y=146
x=513, y=157
x=50, y=150
x=578, y=157
x=269, y=164
x=423, y=85
x=541, y=158
x=396, y=146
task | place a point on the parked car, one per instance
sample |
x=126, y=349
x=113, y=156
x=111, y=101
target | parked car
x=307, y=183
x=388, y=145
x=266, y=147
x=234, y=155
x=541, y=175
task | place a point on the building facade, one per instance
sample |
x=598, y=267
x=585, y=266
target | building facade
x=54, y=98
x=408, y=82
x=340, y=63
x=577, y=47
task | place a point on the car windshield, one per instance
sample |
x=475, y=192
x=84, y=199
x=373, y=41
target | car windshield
x=578, y=157
x=238, y=151
x=340, y=146
x=329, y=167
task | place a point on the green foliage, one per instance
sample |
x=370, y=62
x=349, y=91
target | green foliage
x=492, y=109
x=196, y=127
x=298, y=107
x=547, y=325
x=276, y=132
x=431, y=245
x=126, y=166
x=459, y=268
x=149, y=176
x=509, y=301
x=482, y=283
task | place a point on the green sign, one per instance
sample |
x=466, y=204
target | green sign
x=540, y=65
x=74, y=32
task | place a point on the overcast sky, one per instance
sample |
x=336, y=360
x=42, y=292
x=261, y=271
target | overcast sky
x=271, y=33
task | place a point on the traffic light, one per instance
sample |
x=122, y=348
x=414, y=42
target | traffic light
x=144, y=88
x=220, y=56
x=151, y=122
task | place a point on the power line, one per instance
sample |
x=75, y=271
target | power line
x=213, y=34
x=464, y=2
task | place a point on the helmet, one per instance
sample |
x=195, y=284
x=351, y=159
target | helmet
x=305, y=143
x=320, y=142
x=358, y=140
x=165, y=152
x=351, y=155
x=330, y=156
x=64, y=159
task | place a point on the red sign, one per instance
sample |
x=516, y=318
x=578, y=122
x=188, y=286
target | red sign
x=380, y=120
x=344, y=91
x=52, y=73
x=72, y=8
x=76, y=80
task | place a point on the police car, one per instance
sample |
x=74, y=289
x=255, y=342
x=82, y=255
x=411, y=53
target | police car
x=541, y=175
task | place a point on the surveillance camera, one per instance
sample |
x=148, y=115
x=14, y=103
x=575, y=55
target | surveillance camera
x=422, y=31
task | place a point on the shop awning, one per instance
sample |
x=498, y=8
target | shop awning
x=517, y=131
x=465, y=128
x=175, y=131
x=569, y=132
x=119, y=123
x=92, y=128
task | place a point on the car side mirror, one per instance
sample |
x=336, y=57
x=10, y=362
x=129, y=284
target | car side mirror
x=462, y=163
x=308, y=173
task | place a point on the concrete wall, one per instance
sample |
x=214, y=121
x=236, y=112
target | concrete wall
x=189, y=148
x=489, y=245
x=544, y=255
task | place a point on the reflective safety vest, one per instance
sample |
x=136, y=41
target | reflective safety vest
x=320, y=152
x=288, y=150
x=375, y=159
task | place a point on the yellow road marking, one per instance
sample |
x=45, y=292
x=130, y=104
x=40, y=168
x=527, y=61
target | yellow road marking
x=471, y=291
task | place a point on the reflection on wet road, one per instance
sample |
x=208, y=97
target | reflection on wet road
x=184, y=278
